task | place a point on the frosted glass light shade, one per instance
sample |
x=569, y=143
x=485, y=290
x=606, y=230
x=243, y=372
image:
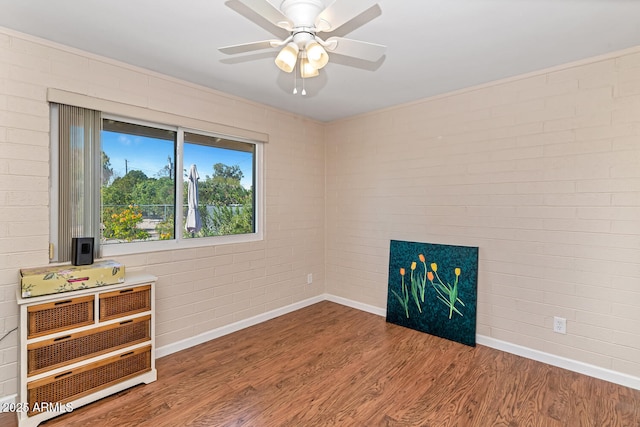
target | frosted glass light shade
x=286, y=59
x=316, y=54
x=306, y=69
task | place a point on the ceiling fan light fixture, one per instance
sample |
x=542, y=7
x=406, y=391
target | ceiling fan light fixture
x=303, y=48
x=317, y=55
x=306, y=69
x=286, y=59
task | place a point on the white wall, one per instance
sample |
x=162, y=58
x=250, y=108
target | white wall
x=198, y=289
x=541, y=172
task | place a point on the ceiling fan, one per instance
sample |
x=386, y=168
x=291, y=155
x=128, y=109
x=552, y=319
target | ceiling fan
x=304, y=19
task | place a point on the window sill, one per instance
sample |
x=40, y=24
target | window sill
x=134, y=248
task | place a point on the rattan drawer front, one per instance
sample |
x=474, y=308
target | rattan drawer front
x=56, y=352
x=59, y=316
x=85, y=380
x=125, y=302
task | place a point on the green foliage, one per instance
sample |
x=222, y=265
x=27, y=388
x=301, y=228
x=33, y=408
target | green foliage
x=223, y=188
x=154, y=191
x=120, y=192
x=220, y=170
x=123, y=224
x=225, y=206
x=232, y=220
x=165, y=228
x=219, y=192
x=225, y=220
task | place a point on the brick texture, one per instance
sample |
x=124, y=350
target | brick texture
x=541, y=173
x=198, y=289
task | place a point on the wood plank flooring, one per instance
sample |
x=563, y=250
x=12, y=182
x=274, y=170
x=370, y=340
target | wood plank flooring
x=330, y=365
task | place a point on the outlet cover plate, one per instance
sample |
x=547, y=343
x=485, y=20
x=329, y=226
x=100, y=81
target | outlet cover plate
x=560, y=325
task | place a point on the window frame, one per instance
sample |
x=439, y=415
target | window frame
x=178, y=242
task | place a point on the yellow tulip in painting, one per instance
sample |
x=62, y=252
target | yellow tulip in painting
x=445, y=292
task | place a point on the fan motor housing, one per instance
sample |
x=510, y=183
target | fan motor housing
x=302, y=35
x=303, y=13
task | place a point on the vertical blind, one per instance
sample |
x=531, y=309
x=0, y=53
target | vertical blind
x=79, y=175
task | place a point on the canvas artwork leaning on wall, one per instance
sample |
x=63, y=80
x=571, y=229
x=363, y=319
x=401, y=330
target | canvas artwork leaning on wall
x=433, y=289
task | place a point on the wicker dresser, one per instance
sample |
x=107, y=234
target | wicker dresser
x=77, y=347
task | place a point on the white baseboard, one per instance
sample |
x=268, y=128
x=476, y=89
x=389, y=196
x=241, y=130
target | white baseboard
x=234, y=327
x=550, y=359
x=540, y=356
x=6, y=401
x=358, y=305
x=562, y=362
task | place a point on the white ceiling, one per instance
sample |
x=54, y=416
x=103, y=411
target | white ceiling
x=433, y=46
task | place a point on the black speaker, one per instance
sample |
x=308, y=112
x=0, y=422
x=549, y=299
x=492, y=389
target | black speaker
x=81, y=250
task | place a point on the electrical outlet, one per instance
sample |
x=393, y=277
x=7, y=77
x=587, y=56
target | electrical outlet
x=309, y=278
x=560, y=325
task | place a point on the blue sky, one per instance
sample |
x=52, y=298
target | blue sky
x=150, y=155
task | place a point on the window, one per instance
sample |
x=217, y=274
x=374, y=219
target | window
x=138, y=185
x=225, y=188
x=154, y=186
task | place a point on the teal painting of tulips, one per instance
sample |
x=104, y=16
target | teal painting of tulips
x=433, y=289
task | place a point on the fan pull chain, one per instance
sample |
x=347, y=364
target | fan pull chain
x=295, y=78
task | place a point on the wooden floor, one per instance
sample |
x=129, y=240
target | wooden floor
x=330, y=365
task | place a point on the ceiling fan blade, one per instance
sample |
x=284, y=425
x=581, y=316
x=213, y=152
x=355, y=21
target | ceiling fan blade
x=355, y=48
x=269, y=12
x=248, y=47
x=340, y=12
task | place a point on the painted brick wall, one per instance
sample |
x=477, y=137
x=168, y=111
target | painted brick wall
x=541, y=172
x=198, y=289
